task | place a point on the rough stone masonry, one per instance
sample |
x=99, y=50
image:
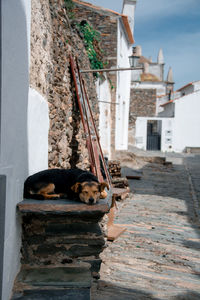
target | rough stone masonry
x=52, y=41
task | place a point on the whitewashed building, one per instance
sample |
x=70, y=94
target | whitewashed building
x=178, y=124
x=185, y=111
x=15, y=53
x=147, y=89
x=24, y=128
x=124, y=50
x=121, y=100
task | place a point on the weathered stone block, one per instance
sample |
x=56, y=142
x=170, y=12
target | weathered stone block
x=60, y=232
x=70, y=283
x=73, y=229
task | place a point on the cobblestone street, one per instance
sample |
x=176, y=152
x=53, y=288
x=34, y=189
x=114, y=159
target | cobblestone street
x=158, y=256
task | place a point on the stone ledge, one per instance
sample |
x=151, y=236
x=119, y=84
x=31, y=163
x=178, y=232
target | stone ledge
x=49, y=294
x=74, y=276
x=65, y=207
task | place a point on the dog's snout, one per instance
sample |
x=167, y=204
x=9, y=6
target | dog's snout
x=91, y=200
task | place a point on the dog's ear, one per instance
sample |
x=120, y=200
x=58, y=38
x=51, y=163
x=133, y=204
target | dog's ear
x=76, y=187
x=103, y=185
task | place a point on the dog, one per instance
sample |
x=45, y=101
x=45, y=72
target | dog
x=65, y=183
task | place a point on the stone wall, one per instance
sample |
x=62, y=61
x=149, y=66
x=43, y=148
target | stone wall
x=63, y=232
x=106, y=23
x=142, y=104
x=59, y=240
x=52, y=41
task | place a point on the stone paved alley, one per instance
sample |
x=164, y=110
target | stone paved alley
x=158, y=256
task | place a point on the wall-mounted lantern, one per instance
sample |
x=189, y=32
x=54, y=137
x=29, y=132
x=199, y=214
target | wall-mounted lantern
x=134, y=58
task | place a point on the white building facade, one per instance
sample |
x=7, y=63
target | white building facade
x=186, y=119
x=124, y=50
x=179, y=122
x=165, y=131
x=105, y=102
x=24, y=125
x=125, y=28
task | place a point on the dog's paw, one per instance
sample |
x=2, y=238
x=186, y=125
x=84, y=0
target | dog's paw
x=103, y=194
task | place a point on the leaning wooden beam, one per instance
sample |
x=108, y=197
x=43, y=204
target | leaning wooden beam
x=110, y=70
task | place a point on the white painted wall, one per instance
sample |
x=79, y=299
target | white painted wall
x=104, y=98
x=38, y=129
x=179, y=132
x=15, y=39
x=190, y=88
x=187, y=122
x=141, y=133
x=167, y=133
x=157, y=70
x=135, y=76
x=187, y=90
x=196, y=85
x=129, y=10
x=124, y=50
x=168, y=111
x=159, y=86
x=154, y=69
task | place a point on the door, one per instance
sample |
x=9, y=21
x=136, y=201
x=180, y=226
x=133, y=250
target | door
x=154, y=134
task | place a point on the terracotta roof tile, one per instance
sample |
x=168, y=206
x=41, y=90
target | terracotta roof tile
x=149, y=77
x=185, y=86
x=171, y=101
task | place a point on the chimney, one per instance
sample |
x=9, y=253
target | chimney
x=146, y=67
x=129, y=10
x=160, y=57
x=137, y=50
x=150, y=59
x=170, y=76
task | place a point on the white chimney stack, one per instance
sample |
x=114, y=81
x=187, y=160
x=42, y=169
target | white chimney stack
x=129, y=10
x=160, y=57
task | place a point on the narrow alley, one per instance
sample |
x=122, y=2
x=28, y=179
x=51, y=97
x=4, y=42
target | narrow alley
x=158, y=256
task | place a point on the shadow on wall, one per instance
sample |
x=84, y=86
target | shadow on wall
x=15, y=18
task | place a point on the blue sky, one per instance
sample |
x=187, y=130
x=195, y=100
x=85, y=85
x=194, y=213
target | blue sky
x=174, y=26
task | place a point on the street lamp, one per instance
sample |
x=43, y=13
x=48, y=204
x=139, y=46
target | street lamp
x=134, y=58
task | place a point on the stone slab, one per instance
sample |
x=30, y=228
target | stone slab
x=66, y=207
x=57, y=277
x=114, y=231
x=119, y=191
x=66, y=294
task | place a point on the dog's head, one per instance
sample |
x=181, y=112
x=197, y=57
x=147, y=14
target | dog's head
x=90, y=191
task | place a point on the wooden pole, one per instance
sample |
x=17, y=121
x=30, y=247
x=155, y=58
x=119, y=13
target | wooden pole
x=110, y=70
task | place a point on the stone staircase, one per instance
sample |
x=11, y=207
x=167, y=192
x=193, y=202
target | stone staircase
x=61, y=243
x=57, y=283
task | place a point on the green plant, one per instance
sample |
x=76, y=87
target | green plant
x=69, y=6
x=91, y=40
x=111, y=85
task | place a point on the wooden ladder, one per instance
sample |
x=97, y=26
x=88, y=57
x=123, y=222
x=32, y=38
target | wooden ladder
x=96, y=157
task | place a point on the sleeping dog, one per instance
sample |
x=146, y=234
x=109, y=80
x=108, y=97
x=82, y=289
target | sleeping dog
x=61, y=183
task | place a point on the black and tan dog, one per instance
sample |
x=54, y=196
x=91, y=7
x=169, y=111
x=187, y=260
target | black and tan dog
x=62, y=183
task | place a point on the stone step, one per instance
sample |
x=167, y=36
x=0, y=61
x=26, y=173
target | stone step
x=53, y=283
x=60, y=294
